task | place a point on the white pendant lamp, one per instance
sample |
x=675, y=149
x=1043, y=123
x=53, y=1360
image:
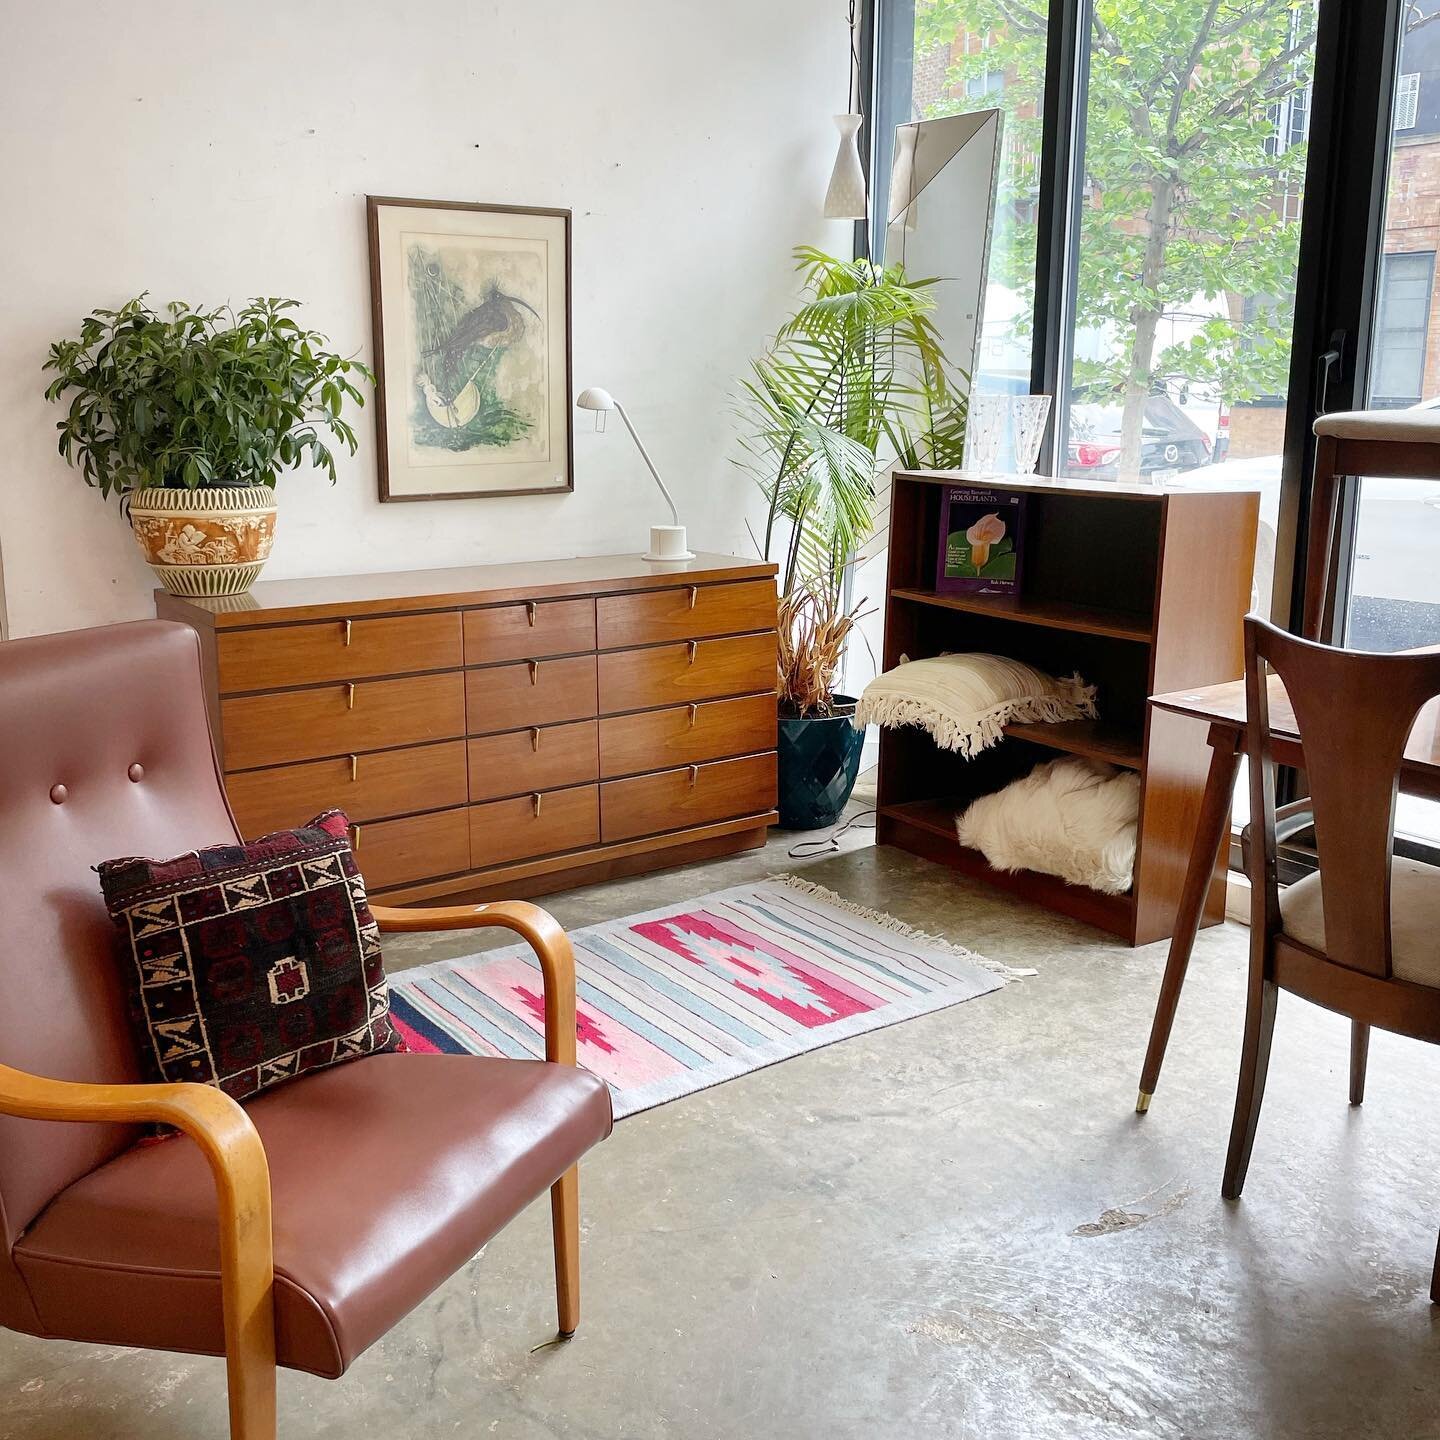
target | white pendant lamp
x=845, y=197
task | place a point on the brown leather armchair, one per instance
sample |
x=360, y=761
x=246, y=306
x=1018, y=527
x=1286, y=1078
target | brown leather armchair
x=342, y=1199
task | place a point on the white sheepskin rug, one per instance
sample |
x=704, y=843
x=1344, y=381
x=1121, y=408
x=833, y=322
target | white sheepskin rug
x=1072, y=818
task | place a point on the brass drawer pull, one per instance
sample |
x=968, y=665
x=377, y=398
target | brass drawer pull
x=530, y=608
x=534, y=671
x=694, y=711
x=693, y=646
x=348, y=624
x=535, y=800
x=535, y=738
x=350, y=697
x=354, y=768
x=694, y=775
x=354, y=837
x=694, y=591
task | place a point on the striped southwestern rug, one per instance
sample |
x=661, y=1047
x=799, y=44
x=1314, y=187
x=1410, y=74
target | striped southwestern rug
x=682, y=998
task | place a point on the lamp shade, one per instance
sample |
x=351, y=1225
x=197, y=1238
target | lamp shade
x=594, y=398
x=845, y=199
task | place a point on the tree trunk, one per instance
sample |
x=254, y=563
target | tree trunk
x=1145, y=323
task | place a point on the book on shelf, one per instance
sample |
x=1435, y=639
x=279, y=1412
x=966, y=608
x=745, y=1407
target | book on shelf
x=982, y=541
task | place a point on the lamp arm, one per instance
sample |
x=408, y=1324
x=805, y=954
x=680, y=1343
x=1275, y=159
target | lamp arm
x=650, y=464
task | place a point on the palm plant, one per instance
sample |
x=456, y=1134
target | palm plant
x=855, y=380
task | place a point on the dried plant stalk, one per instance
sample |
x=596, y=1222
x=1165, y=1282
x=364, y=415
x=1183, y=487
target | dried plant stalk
x=813, y=631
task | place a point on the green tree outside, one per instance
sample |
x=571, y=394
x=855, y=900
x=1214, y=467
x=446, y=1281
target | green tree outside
x=1191, y=182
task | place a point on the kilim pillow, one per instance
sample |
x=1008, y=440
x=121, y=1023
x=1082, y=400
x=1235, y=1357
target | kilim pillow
x=248, y=965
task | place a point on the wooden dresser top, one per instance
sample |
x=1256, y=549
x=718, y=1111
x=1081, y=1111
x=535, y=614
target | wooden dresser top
x=277, y=602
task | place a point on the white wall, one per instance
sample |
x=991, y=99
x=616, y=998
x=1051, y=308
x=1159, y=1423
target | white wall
x=211, y=150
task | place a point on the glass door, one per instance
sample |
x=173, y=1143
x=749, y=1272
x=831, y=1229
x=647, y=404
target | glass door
x=1192, y=136
x=1391, y=571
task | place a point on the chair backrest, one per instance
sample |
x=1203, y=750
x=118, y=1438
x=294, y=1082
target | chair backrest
x=105, y=751
x=1354, y=712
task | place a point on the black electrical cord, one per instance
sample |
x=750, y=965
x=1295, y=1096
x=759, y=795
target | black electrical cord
x=808, y=849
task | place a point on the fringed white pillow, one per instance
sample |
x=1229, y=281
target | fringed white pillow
x=965, y=701
x=1072, y=818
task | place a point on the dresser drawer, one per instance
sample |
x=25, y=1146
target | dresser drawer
x=694, y=670
x=508, y=830
x=366, y=787
x=341, y=719
x=674, y=799
x=521, y=632
x=690, y=612
x=281, y=655
x=542, y=758
x=422, y=847
x=687, y=733
x=536, y=692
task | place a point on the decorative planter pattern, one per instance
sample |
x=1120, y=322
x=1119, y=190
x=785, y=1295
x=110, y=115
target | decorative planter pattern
x=819, y=760
x=205, y=542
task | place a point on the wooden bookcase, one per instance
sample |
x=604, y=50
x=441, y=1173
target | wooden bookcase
x=1141, y=589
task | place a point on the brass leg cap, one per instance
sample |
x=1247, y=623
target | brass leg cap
x=1142, y=1104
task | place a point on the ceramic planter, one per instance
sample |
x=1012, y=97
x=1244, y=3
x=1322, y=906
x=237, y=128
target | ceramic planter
x=819, y=759
x=208, y=541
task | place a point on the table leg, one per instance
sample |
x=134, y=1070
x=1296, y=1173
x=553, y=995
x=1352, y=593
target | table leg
x=1211, y=829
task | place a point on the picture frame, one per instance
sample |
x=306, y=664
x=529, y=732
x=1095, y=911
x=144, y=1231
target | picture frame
x=961, y=564
x=471, y=313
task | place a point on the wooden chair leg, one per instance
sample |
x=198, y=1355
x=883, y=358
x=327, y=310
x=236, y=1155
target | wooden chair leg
x=1359, y=1058
x=1254, y=1065
x=565, y=1223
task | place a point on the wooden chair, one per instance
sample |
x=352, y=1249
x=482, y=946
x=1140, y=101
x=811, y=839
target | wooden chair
x=339, y=1201
x=1359, y=935
x=1393, y=444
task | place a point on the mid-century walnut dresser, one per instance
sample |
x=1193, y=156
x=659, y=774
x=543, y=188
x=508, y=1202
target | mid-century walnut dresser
x=506, y=729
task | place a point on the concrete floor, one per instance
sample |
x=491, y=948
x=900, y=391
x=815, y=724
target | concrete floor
x=954, y=1227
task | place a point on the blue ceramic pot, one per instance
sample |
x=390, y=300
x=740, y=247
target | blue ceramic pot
x=819, y=760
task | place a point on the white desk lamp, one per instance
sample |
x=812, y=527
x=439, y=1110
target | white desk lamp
x=667, y=542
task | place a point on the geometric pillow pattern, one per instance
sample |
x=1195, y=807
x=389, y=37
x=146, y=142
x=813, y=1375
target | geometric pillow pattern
x=249, y=965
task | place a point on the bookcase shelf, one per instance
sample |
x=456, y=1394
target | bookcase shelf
x=1139, y=589
x=1053, y=614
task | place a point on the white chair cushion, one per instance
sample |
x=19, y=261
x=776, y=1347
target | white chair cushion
x=1414, y=919
x=1412, y=425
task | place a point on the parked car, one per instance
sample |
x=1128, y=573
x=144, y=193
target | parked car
x=1169, y=440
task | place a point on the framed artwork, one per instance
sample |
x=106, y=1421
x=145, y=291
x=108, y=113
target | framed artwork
x=471, y=307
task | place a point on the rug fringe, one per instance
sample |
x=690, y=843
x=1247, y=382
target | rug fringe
x=911, y=932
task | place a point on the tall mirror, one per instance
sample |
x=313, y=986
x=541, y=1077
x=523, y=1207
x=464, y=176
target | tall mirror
x=940, y=215
x=938, y=224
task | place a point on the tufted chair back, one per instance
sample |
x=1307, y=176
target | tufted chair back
x=105, y=751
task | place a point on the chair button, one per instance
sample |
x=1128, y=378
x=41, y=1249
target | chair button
x=59, y=794
x=136, y=772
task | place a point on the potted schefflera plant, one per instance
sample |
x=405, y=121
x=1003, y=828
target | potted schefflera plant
x=855, y=381
x=188, y=417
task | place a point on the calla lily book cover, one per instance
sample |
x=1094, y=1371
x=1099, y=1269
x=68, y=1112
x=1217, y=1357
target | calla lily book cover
x=981, y=540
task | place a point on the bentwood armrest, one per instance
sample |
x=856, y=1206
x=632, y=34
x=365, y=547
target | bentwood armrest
x=543, y=933
x=232, y=1147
